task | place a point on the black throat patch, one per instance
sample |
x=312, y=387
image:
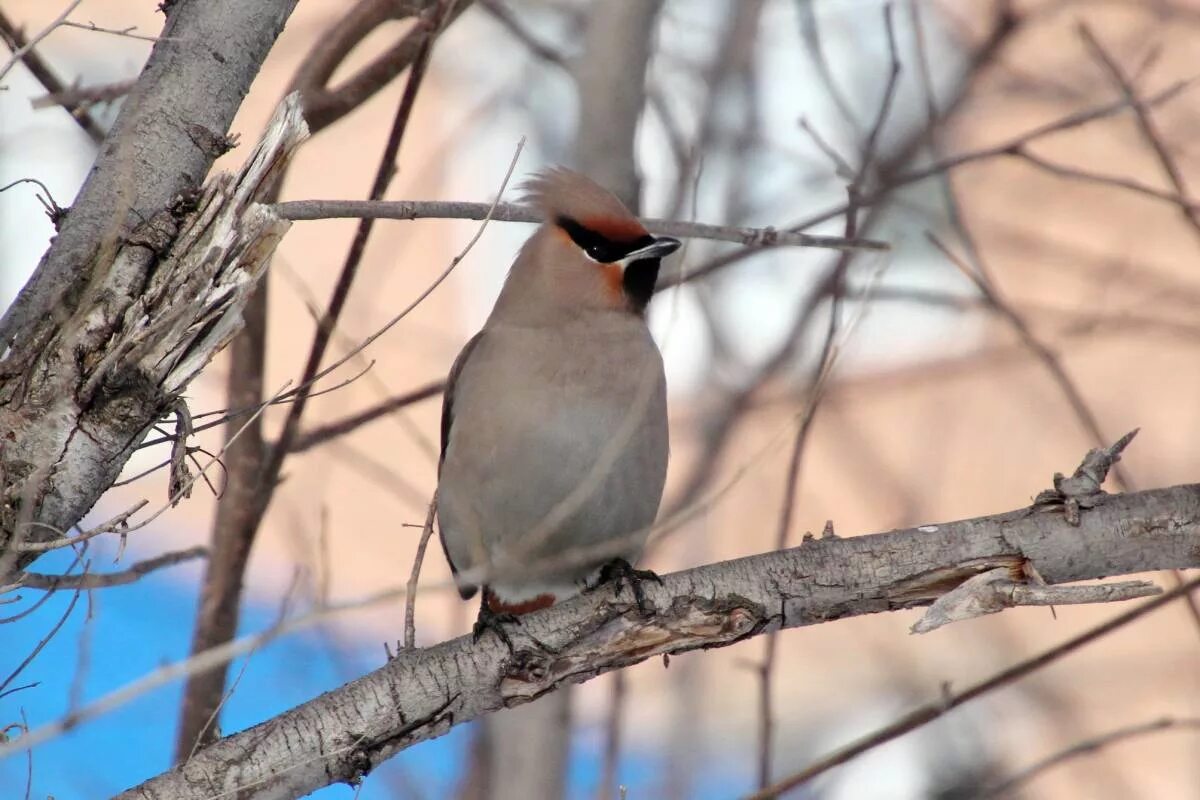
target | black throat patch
x=638, y=281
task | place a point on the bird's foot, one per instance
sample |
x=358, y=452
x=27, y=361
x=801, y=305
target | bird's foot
x=497, y=623
x=621, y=573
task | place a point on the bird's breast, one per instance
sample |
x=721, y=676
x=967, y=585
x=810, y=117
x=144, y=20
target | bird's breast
x=561, y=431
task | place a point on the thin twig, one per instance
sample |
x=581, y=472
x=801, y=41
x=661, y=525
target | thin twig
x=103, y=580
x=120, y=521
x=410, y=593
x=211, y=658
x=1006, y=23
x=341, y=292
x=391, y=323
x=1085, y=747
x=127, y=33
x=297, y=210
x=44, y=641
x=836, y=291
x=332, y=430
x=1145, y=124
x=953, y=162
x=1115, y=181
x=78, y=98
x=1048, y=357
x=12, y=36
x=28, y=758
x=22, y=50
x=504, y=15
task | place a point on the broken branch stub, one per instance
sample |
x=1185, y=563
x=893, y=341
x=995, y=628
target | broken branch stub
x=1083, y=488
x=115, y=365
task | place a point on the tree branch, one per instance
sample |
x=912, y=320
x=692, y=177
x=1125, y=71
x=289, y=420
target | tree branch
x=23, y=49
x=511, y=212
x=103, y=580
x=421, y=694
x=77, y=385
x=321, y=434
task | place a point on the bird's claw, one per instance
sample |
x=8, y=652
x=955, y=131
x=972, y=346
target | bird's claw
x=489, y=620
x=621, y=573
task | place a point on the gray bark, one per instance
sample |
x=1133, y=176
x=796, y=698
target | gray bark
x=421, y=694
x=76, y=392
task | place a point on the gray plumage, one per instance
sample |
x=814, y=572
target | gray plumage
x=554, y=427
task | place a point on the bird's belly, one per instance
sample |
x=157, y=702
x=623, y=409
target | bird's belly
x=555, y=476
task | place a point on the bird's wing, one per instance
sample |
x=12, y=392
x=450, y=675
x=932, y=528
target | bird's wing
x=447, y=421
x=448, y=395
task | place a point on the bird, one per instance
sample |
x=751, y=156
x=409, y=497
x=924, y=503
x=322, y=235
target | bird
x=554, y=438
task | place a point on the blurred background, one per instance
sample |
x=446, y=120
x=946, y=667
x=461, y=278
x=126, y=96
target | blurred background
x=951, y=397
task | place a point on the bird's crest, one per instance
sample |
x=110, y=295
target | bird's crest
x=562, y=193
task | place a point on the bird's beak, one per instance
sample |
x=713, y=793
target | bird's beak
x=662, y=246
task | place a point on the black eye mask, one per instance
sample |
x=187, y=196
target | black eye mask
x=597, y=246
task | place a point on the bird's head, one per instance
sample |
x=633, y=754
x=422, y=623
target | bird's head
x=591, y=251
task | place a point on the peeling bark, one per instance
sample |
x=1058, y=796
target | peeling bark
x=82, y=371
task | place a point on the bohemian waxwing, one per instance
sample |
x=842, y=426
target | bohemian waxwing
x=554, y=424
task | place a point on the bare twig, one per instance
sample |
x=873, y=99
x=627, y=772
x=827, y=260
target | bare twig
x=23, y=49
x=1048, y=357
x=90, y=580
x=332, y=430
x=53, y=210
x=940, y=166
x=197, y=663
x=835, y=288
x=811, y=36
x=410, y=593
x=45, y=640
x=1086, y=747
x=1145, y=124
x=78, y=98
x=509, y=212
x=120, y=522
x=1115, y=181
x=508, y=20
x=126, y=33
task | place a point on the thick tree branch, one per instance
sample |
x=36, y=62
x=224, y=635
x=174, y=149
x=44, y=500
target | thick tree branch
x=421, y=694
x=74, y=405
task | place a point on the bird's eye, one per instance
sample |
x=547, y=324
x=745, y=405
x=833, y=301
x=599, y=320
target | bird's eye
x=597, y=252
